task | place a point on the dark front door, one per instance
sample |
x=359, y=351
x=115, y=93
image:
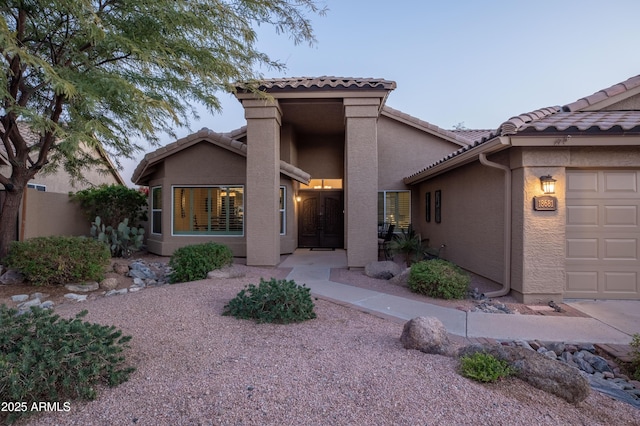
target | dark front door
x=321, y=221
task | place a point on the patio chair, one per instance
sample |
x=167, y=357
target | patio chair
x=383, y=242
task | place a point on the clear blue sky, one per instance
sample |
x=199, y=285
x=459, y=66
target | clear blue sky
x=460, y=61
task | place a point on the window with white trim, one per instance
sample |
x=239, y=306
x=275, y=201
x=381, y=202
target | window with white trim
x=156, y=210
x=394, y=207
x=37, y=187
x=283, y=210
x=208, y=210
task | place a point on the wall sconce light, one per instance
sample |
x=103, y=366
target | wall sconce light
x=298, y=198
x=548, y=184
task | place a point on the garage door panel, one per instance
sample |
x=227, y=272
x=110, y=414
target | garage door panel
x=621, y=216
x=621, y=282
x=603, y=234
x=620, y=181
x=618, y=248
x=583, y=181
x=582, y=215
x=582, y=282
x=582, y=248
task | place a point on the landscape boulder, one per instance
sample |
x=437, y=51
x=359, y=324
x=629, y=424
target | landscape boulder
x=109, y=284
x=426, y=334
x=382, y=270
x=11, y=277
x=226, y=272
x=402, y=279
x=539, y=370
x=120, y=268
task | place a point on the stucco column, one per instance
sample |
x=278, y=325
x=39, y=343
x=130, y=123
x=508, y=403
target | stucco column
x=361, y=180
x=541, y=247
x=262, y=218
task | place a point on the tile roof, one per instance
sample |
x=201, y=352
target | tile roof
x=224, y=140
x=472, y=135
x=587, y=121
x=604, y=94
x=323, y=82
x=570, y=117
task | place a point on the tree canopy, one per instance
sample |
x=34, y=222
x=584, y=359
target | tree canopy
x=113, y=72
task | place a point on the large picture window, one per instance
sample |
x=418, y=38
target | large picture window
x=212, y=210
x=394, y=207
x=156, y=210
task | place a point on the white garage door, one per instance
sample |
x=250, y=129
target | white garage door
x=603, y=234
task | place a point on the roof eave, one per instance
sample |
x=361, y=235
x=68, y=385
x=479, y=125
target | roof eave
x=471, y=155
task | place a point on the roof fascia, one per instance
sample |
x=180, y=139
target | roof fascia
x=569, y=140
x=318, y=94
x=489, y=147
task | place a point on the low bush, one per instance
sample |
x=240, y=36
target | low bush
x=193, y=262
x=635, y=356
x=438, y=278
x=59, y=260
x=273, y=301
x=45, y=358
x=484, y=367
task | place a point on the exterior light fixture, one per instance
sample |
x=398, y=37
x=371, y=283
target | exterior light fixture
x=546, y=202
x=298, y=198
x=548, y=184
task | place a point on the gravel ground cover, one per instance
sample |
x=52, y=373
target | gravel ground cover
x=346, y=367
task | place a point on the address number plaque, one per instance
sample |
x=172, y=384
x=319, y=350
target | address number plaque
x=545, y=203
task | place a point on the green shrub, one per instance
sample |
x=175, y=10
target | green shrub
x=45, y=358
x=273, y=301
x=438, y=278
x=635, y=356
x=113, y=203
x=194, y=262
x=484, y=367
x=59, y=260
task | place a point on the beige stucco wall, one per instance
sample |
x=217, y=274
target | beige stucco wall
x=538, y=236
x=45, y=214
x=322, y=156
x=403, y=149
x=472, y=217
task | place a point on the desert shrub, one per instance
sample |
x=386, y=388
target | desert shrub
x=635, y=356
x=122, y=240
x=46, y=358
x=484, y=367
x=273, y=301
x=59, y=260
x=193, y=262
x=409, y=244
x=438, y=278
x=113, y=203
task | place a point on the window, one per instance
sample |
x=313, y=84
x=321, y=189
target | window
x=395, y=207
x=213, y=210
x=283, y=210
x=37, y=187
x=156, y=210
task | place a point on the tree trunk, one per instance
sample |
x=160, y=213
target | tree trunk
x=9, y=219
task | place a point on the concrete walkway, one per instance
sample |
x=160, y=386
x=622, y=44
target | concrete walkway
x=611, y=322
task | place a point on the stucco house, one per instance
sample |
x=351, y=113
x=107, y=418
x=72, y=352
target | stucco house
x=322, y=161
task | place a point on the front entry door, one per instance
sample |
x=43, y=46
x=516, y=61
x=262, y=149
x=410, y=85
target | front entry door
x=321, y=219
